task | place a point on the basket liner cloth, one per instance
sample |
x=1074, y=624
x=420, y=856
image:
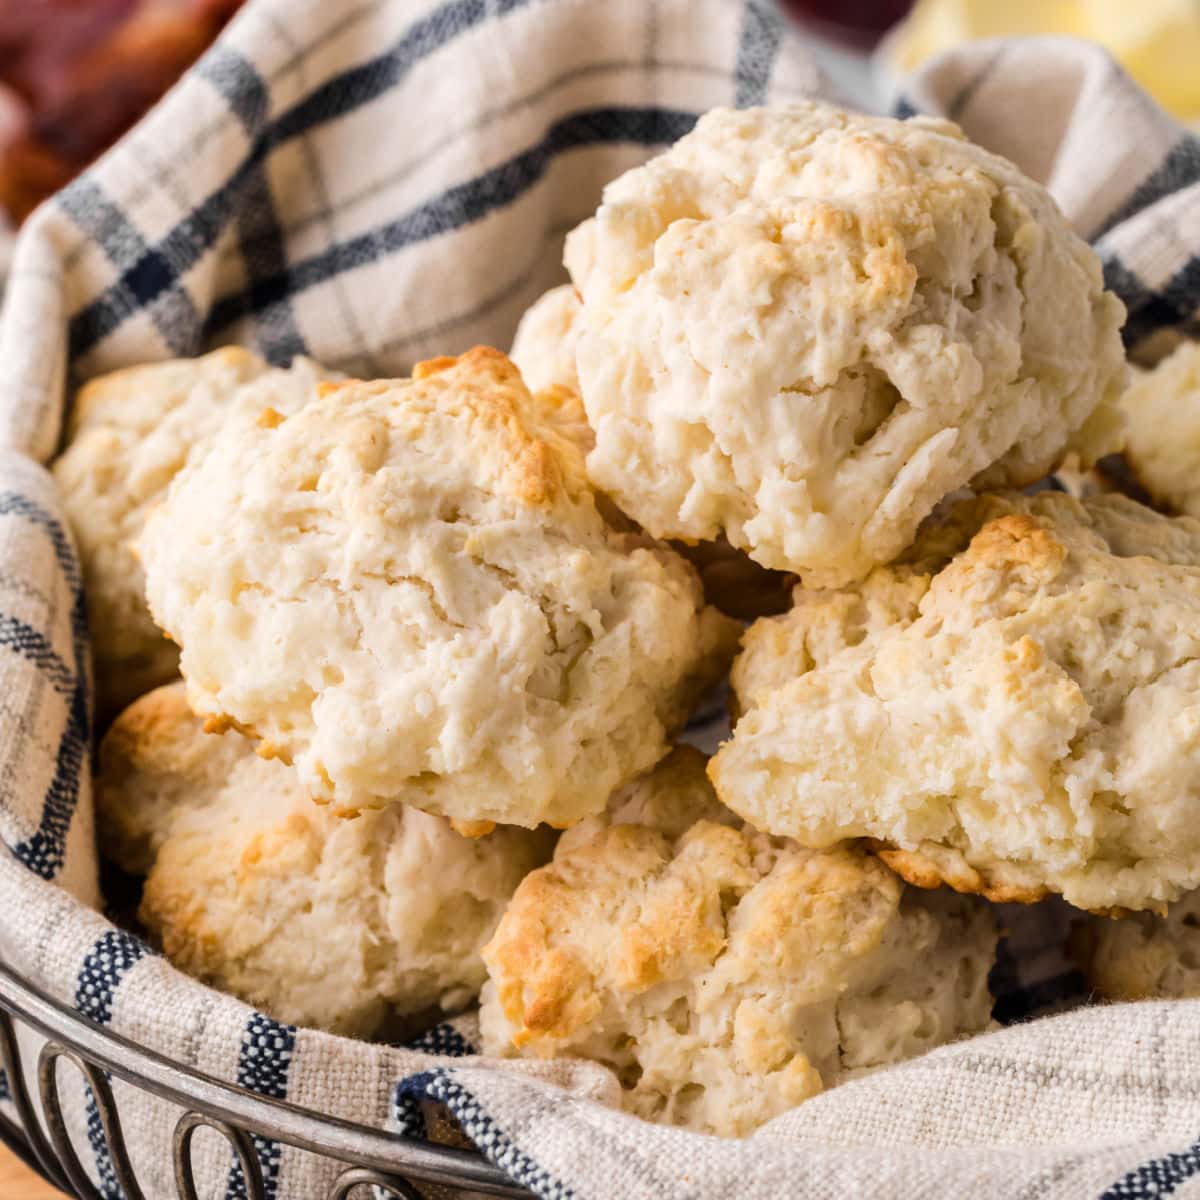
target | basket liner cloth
x=373, y=182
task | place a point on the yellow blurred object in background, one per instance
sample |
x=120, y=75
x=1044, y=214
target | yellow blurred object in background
x=1156, y=41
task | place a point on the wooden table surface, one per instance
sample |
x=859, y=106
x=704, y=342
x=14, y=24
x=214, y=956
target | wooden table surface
x=17, y=1182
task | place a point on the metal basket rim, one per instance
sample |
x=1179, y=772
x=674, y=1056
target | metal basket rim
x=331, y=1137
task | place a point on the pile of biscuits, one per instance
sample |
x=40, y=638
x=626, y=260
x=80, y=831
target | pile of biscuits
x=412, y=737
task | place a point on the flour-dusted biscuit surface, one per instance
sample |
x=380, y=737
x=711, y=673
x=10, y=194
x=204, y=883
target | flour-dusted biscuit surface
x=1143, y=956
x=725, y=976
x=130, y=433
x=805, y=327
x=406, y=589
x=343, y=925
x=1013, y=709
x=1162, y=429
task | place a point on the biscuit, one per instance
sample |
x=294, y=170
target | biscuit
x=562, y=409
x=406, y=589
x=544, y=350
x=1144, y=956
x=804, y=328
x=544, y=345
x=340, y=925
x=130, y=433
x=824, y=621
x=723, y=975
x=1014, y=709
x=1162, y=431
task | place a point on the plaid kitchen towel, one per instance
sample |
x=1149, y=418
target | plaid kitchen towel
x=375, y=181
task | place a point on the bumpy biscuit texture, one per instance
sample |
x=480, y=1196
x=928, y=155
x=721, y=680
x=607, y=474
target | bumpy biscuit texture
x=822, y=622
x=726, y=976
x=1144, y=956
x=406, y=589
x=1013, y=709
x=1162, y=434
x=544, y=349
x=340, y=925
x=130, y=434
x=806, y=327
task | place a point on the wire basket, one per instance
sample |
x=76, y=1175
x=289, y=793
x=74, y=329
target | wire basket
x=369, y=1157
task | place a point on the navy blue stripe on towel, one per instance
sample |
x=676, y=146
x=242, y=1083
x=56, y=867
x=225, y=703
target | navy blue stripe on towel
x=478, y=1125
x=263, y=1063
x=107, y=963
x=1158, y=1177
x=45, y=851
x=458, y=206
x=260, y=233
x=758, y=47
x=159, y=269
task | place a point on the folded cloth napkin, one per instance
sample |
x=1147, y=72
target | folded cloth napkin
x=375, y=181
